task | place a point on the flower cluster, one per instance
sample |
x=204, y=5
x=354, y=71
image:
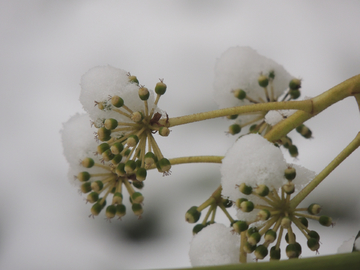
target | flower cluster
x=124, y=120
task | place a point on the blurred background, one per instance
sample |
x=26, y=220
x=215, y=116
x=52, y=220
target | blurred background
x=45, y=48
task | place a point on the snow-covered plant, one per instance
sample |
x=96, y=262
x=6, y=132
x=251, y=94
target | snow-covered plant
x=112, y=146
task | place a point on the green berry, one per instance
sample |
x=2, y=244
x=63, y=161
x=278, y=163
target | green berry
x=275, y=254
x=117, y=101
x=192, y=215
x=247, y=206
x=137, y=209
x=254, y=238
x=110, y=123
x=110, y=211
x=262, y=190
x=130, y=166
x=325, y=221
x=261, y=252
x=101, y=148
x=137, y=197
x=160, y=88
x=245, y=189
x=163, y=165
x=83, y=176
x=141, y=174
x=314, y=209
x=295, y=84
x=92, y=197
x=240, y=94
x=240, y=226
x=86, y=187
x=293, y=151
x=120, y=210
x=295, y=94
x=97, y=186
x=88, y=162
x=197, y=228
x=263, y=81
x=290, y=173
x=234, y=129
x=144, y=93
x=270, y=236
x=104, y=134
x=120, y=169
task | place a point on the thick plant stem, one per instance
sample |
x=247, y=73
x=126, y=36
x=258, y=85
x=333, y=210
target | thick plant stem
x=348, y=261
x=196, y=159
x=353, y=145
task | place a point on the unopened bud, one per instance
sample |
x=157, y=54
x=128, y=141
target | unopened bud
x=192, y=215
x=275, y=254
x=314, y=209
x=120, y=210
x=97, y=186
x=234, y=129
x=325, y=221
x=290, y=173
x=240, y=226
x=137, y=197
x=137, y=209
x=104, y=134
x=261, y=252
x=262, y=190
x=270, y=236
x=117, y=101
x=164, y=131
x=289, y=188
x=144, y=93
x=88, y=162
x=83, y=176
x=240, y=94
x=160, y=88
x=110, y=211
x=197, y=228
x=110, y=123
x=263, y=81
x=295, y=84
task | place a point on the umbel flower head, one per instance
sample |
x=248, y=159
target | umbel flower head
x=257, y=179
x=124, y=119
x=243, y=77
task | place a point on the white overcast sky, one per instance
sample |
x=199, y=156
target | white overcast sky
x=45, y=47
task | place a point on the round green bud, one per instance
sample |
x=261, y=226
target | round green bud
x=137, y=117
x=263, y=81
x=232, y=117
x=164, y=131
x=240, y=94
x=133, y=79
x=275, y=254
x=304, y=221
x=88, y=162
x=247, y=206
x=116, y=148
x=97, y=207
x=117, y=198
x=138, y=184
x=117, y=159
x=270, y=236
x=287, y=237
x=248, y=248
x=234, y=129
x=137, y=209
x=295, y=94
x=286, y=142
x=295, y=84
x=120, y=210
x=254, y=238
x=160, y=88
x=272, y=74
x=253, y=128
x=132, y=141
x=243, y=188
x=304, y=131
x=314, y=209
x=149, y=159
x=292, y=251
x=130, y=166
x=261, y=252
x=289, y=188
x=293, y=151
x=141, y=174
x=290, y=173
x=313, y=244
x=144, y=93
x=251, y=230
x=240, y=226
x=138, y=163
x=227, y=203
x=127, y=152
x=163, y=165
x=264, y=214
x=325, y=221
x=314, y=234
x=197, y=228
x=192, y=215
x=97, y=186
x=86, y=187
x=120, y=169
x=104, y=134
x=262, y=190
x=239, y=201
x=110, y=123
x=102, y=148
x=117, y=101
x=137, y=197
x=92, y=197
x=285, y=222
x=110, y=211
x=107, y=155
x=83, y=176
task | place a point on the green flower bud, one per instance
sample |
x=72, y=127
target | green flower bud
x=254, y=238
x=97, y=207
x=286, y=222
x=110, y=211
x=86, y=187
x=264, y=214
x=101, y=148
x=104, y=134
x=133, y=79
x=83, y=176
x=232, y=117
x=304, y=221
x=272, y=74
x=247, y=206
x=293, y=151
x=239, y=201
x=286, y=142
x=163, y=165
x=313, y=244
x=111, y=123
x=116, y=148
x=295, y=94
x=290, y=173
x=132, y=140
x=88, y=162
x=325, y=221
x=141, y=174
x=192, y=215
x=117, y=101
x=117, y=198
x=295, y=84
x=137, y=117
x=289, y=188
x=240, y=226
x=97, y=186
x=137, y=197
x=287, y=237
x=138, y=184
x=92, y=197
x=251, y=230
x=314, y=209
x=243, y=188
x=270, y=236
x=275, y=254
x=234, y=129
x=292, y=251
x=160, y=88
x=164, y=131
x=144, y=93
x=107, y=155
x=138, y=163
x=262, y=190
x=120, y=210
x=150, y=159
x=248, y=248
x=304, y=131
x=130, y=166
x=120, y=169
x=197, y=228
x=137, y=209
x=263, y=81
x=261, y=252
x=314, y=234
x=253, y=128
x=127, y=152
x=117, y=159
x=240, y=94
x=227, y=203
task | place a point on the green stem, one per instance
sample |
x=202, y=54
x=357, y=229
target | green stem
x=196, y=159
x=348, y=261
x=355, y=143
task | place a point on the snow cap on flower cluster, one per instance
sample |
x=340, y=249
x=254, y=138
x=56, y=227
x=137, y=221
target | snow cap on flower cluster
x=252, y=160
x=274, y=117
x=239, y=68
x=215, y=245
x=103, y=81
